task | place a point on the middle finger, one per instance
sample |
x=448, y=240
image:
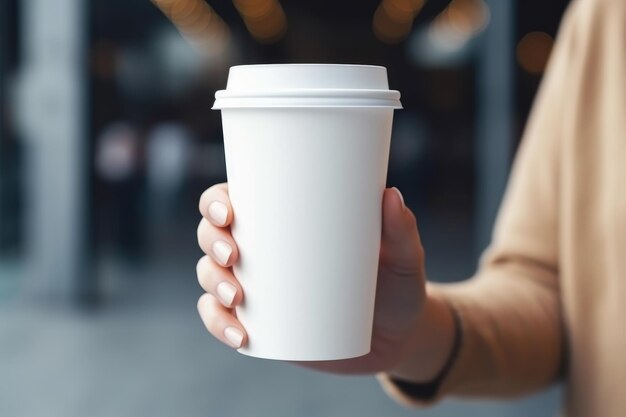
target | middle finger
x=217, y=243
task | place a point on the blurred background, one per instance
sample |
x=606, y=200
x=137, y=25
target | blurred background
x=107, y=140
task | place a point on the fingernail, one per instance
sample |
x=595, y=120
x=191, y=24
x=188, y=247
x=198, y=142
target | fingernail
x=234, y=336
x=226, y=292
x=401, y=198
x=222, y=251
x=218, y=212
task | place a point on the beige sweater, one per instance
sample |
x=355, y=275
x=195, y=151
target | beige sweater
x=549, y=300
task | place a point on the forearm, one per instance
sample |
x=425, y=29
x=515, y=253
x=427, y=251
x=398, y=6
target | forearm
x=512, y=337
x=513, y=333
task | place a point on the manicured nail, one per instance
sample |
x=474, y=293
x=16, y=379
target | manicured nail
x=401, y=198
x=222, y=251
x=226, y=292
x=234, y=336
x=218, y=212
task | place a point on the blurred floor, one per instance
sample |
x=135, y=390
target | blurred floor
x=144, y=352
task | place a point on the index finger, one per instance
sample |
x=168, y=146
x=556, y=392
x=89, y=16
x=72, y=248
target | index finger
x=215, y=205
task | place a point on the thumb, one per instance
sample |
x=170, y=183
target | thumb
x=401, y=248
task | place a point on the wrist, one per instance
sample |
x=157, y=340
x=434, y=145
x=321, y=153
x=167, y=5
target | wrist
x=431, y=342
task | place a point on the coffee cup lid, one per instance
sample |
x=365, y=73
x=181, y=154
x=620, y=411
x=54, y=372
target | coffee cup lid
x=307, y=85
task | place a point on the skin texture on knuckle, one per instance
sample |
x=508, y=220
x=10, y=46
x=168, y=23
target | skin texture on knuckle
x=200, y=265
x=200, y=303
x=201, y=202
x=200, y=232
x=204, y=238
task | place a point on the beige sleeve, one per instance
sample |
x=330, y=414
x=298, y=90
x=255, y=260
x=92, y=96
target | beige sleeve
x=513, y=339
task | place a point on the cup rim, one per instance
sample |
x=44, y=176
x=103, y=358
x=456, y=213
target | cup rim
x=310, y=65
x=310, y=92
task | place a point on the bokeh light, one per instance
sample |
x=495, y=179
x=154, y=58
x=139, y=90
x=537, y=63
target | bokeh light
x=265, y=19
x=533, y=51
x=198, y=23
x=393, y=19
x=459, y=22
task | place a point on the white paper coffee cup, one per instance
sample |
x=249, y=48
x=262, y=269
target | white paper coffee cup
x=307, y=148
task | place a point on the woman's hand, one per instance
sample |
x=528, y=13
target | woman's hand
x=400, y=294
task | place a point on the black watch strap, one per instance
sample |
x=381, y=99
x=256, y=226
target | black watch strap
x=428, y=390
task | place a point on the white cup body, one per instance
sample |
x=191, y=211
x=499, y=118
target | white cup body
x=306, y=187
x=306, y=184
